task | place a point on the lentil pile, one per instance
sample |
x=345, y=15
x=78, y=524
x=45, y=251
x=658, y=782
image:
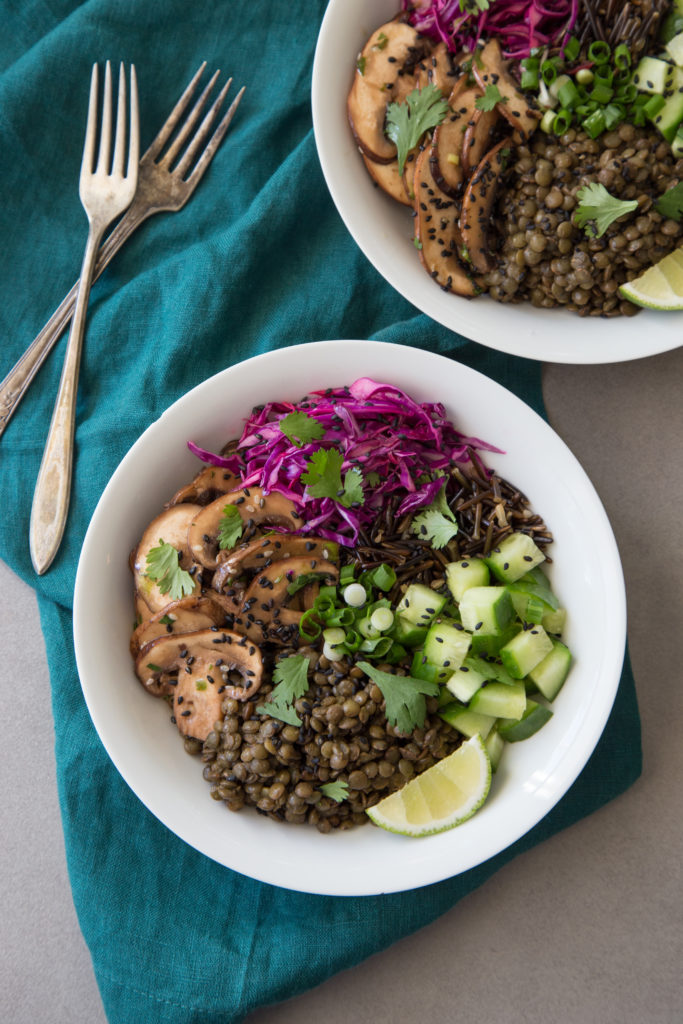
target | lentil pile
x=545, y=258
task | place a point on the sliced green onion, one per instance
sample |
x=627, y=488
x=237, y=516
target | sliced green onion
x=355, y=595
x=377, y=647
x=383, y=577
x=622, y=56
x=594, y=124
x=572, y=49
x=601, y=93
x=638, y=118
x=554, y=88
x=568, y=94
x=653, y=106
x=547, y=121
x=529, y=79
x=621, y=76
x=627, y=93
x=562, y=122
x=353, y=640
x=382, y=619
x=604, y=73
x=340, y=617
x=584, y=76
x=323, y=605
x=334, y=637
x=530, y=63
x=599, y=52
x=613, y=115
x=346, y=575
x=309, y=627
x=549, y=70
x=366, y=629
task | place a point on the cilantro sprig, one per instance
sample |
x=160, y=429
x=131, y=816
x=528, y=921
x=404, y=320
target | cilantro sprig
x=436, y=523
x=670, y=203
x=491, y=98
x=406, y=707
x=291, y=676
x=407, y=122
x=300, y=428
x=337, y=790
x=598, y=209
x=230, y=527
x=163, y=567
x=323, y=478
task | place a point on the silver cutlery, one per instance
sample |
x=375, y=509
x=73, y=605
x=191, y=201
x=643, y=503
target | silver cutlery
x=162, y=185
x=106, y=189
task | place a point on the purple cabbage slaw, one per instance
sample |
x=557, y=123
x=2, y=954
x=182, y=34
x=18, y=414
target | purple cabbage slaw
x=521, y=25
x=378, y=428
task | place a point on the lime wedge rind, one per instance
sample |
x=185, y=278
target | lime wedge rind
x=660, y=287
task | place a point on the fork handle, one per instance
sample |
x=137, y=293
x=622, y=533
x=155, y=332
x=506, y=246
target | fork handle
x=51, y=497
x=15, y=384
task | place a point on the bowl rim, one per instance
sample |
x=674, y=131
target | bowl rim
x=272, y=866
x=549, y=335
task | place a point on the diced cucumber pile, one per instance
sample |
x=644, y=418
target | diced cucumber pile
x=494, y=646
x=663, y=77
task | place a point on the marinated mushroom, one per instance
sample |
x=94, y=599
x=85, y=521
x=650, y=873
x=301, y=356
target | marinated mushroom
x=183, y=616
x=490, y=69
x=260, y=552
x=209, y=483
x=171, y=527
x=388, y=179
x=478, y=138
x=264, y=615
x=477, y=205
x=446, y=156
x=254, y=507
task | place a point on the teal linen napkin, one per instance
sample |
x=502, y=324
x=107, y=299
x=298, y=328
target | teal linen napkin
x=259, y=259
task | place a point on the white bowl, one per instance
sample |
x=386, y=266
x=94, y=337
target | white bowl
x=384, y=230
x=135, y=727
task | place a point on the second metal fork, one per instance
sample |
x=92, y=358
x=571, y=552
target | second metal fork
x=106, y=190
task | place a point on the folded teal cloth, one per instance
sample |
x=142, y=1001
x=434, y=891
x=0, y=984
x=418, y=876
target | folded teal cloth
x=259, y=259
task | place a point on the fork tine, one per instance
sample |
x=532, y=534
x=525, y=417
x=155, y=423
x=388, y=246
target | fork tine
x=188, y=157
x=179, y=141
x=91, y=127
x=134, y=139
x=120, y=141
x=105, y=131
x=215, y=141
x=175, y=115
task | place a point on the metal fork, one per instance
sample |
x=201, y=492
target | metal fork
x=106, y=190
x=162, y=185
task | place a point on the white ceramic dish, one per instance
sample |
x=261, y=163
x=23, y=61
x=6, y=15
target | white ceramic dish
x=135, y=728
x=384, y=230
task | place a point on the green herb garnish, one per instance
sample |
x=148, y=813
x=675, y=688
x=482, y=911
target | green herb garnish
x=404, y=696
x=670, y=204
x=360, y=64
x=200, y=684
x=382, y=40
x=436, y=523
x=407, y=122
x=598, y=209
x=230, y=527
x=163, y=567
x=323, y=478
x=492, y=96
x=300, y=428
x=291, y=676
x=337, y=790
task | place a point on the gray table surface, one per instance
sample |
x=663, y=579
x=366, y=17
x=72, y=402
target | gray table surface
x=587, y=927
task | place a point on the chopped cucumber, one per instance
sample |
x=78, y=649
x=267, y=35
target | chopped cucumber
x=653, y=75
x=550, y=674
x=677, y=144
x=500, y=700
x=514, y=557
x=420, y=604
x=469, y=723
x=446, y=646
x=535, y=584
x=494, y=744
x=486, y=609
x=465, y=682
x=554, y=621
x=670, y=116
x=675, y=49
x=423, y=669
x=521, y=654
x=491, y=645
x=469, y=572
x=406, y=632
x=528, y=607
x=535, y=716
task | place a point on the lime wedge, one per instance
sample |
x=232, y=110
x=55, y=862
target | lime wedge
x=660, y=287
x=443, y=796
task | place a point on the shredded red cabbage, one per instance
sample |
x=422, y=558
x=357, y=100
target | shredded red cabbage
x=399, y=445
x=521, y=25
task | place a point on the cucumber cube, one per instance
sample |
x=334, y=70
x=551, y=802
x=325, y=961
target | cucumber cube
x=423, y=669
x=515, y=556
x=653, y=76
x=494, y=744
x=446, y=646
x=675, y=49
x=420, y=604
x=549, y=675
x=534, y=718
x=468, y=722
x=465, y=682
x=525, y=651
x=500, y=700
x=491, y=645
x=554, y=621
x=486, y=609
x=407, y=633
x=469, y=572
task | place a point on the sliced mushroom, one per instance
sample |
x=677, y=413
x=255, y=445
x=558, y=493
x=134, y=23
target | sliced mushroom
x=478, y=204
x=489, y=68
x=437, y=68
x=260, y=552
x=436, y=230
x=447, y=162
x=478, y=138
x=254, y=507
x=409, y=173
x=196, y=668
x=388, y=179
x=170, y=527
x=207, y=485
x=379, y=80
x=183, y=616
x=263, y=611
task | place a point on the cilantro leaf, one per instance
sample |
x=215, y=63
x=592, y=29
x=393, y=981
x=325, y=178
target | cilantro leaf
x=490, y=99
x=299, y=427
x=598, y=209
x=436, y=523
x=323, y=478
x=230, y=527
x=407, y=122
x=291, y=676
x=163, y=567
x=670, y=204
x=404, y=696
x=337, y=790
